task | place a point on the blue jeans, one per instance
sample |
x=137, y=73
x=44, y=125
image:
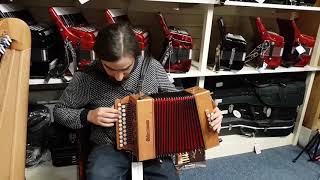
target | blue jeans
x=107, y=163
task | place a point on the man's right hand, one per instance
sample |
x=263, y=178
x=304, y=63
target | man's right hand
x=102, y=116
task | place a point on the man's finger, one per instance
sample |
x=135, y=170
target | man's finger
x=109, y=110
x=215, y=128
x=106, y=124
x=107, y=120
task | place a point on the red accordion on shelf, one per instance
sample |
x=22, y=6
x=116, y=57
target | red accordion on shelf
x=272, y=56
x=177, y=54
x=298, y=47
x=121, y=16
x=74, y=27
x=165, y=124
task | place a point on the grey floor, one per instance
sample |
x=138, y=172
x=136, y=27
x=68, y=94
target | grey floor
x=271, y=164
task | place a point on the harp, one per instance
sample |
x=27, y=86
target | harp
x=14, y=78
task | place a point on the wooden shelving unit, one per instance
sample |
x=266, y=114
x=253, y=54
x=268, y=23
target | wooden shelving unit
x=205, y=11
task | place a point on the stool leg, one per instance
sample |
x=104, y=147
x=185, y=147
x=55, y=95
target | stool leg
x=308, y=146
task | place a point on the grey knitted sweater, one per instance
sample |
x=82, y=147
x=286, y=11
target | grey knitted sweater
x=91, y=89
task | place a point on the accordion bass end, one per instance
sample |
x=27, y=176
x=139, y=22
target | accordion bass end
x=165, y=124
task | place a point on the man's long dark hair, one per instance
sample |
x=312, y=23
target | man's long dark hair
x=115, y=41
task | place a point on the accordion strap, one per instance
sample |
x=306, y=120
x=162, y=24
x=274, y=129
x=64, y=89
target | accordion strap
x=144, y=69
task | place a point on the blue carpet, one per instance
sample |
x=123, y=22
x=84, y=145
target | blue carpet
x=271, y=164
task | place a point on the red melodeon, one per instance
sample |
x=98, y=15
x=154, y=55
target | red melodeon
x=295, y=40
x=181, y=42
x=273, y=55
x=165, y=123
x=74, y=27
x=120, y=16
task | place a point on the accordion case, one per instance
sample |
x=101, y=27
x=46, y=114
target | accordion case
x=44, y=45
x=74, y=27
x=298, y=47
x=120, y=16
x=265, y=108
x=233, y=49
x=165, y=124
x=178, y=58
x=272, y=56
x=63, y=144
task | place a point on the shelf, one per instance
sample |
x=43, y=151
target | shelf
x=189, y=1
x=238, y=144
x=251, y=70
x=53, y=84
x=194, y=72
x=273, y=6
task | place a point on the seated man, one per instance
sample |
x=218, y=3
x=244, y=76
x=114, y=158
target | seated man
x=90, y=96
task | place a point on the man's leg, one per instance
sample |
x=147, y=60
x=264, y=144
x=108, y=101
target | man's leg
x=106, y=163
x=160, y=170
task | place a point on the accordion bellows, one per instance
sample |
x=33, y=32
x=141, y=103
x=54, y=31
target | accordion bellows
x=165, y=124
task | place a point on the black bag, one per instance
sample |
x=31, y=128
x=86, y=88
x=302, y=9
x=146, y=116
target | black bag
x=263, y=106
x=39, y=121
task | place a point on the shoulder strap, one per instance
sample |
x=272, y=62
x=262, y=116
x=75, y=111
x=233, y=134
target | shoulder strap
x=144, y=69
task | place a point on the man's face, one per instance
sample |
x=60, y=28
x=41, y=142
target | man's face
x=119, y=70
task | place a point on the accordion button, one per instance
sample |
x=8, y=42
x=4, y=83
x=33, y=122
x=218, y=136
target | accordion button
x=124, y=114
x=120, y=133
x=124, y=135
x=120, y=125
x=121, y=145
x=124, y=123
x=123, y=110
x=121, y=141
x=119, y=104
x=120, y=121
x=124, y=126
x=123, y=106
x=124, y=118
x=125, y=143
x=125, y=139
x=120, y=129
x=119, y=108
x=124, y=131
x=121, y=137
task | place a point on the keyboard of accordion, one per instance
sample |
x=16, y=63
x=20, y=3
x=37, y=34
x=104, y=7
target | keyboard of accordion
x=165, y=124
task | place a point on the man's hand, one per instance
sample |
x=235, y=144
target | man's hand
x=105, y=117
x=215, y=119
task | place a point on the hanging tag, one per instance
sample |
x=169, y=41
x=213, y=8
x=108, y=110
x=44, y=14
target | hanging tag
x=83, y=1
x=137, y=170
x=170, y=78
x=264, y=66
x=257, y=148
x=300, y=49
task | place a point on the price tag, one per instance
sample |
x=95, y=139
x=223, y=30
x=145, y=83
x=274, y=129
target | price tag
x=300, y=49
x=219, y=84
x=170, y=78
x=137, y=170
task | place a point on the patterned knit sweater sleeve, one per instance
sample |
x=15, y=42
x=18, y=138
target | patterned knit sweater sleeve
x=71, y=111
